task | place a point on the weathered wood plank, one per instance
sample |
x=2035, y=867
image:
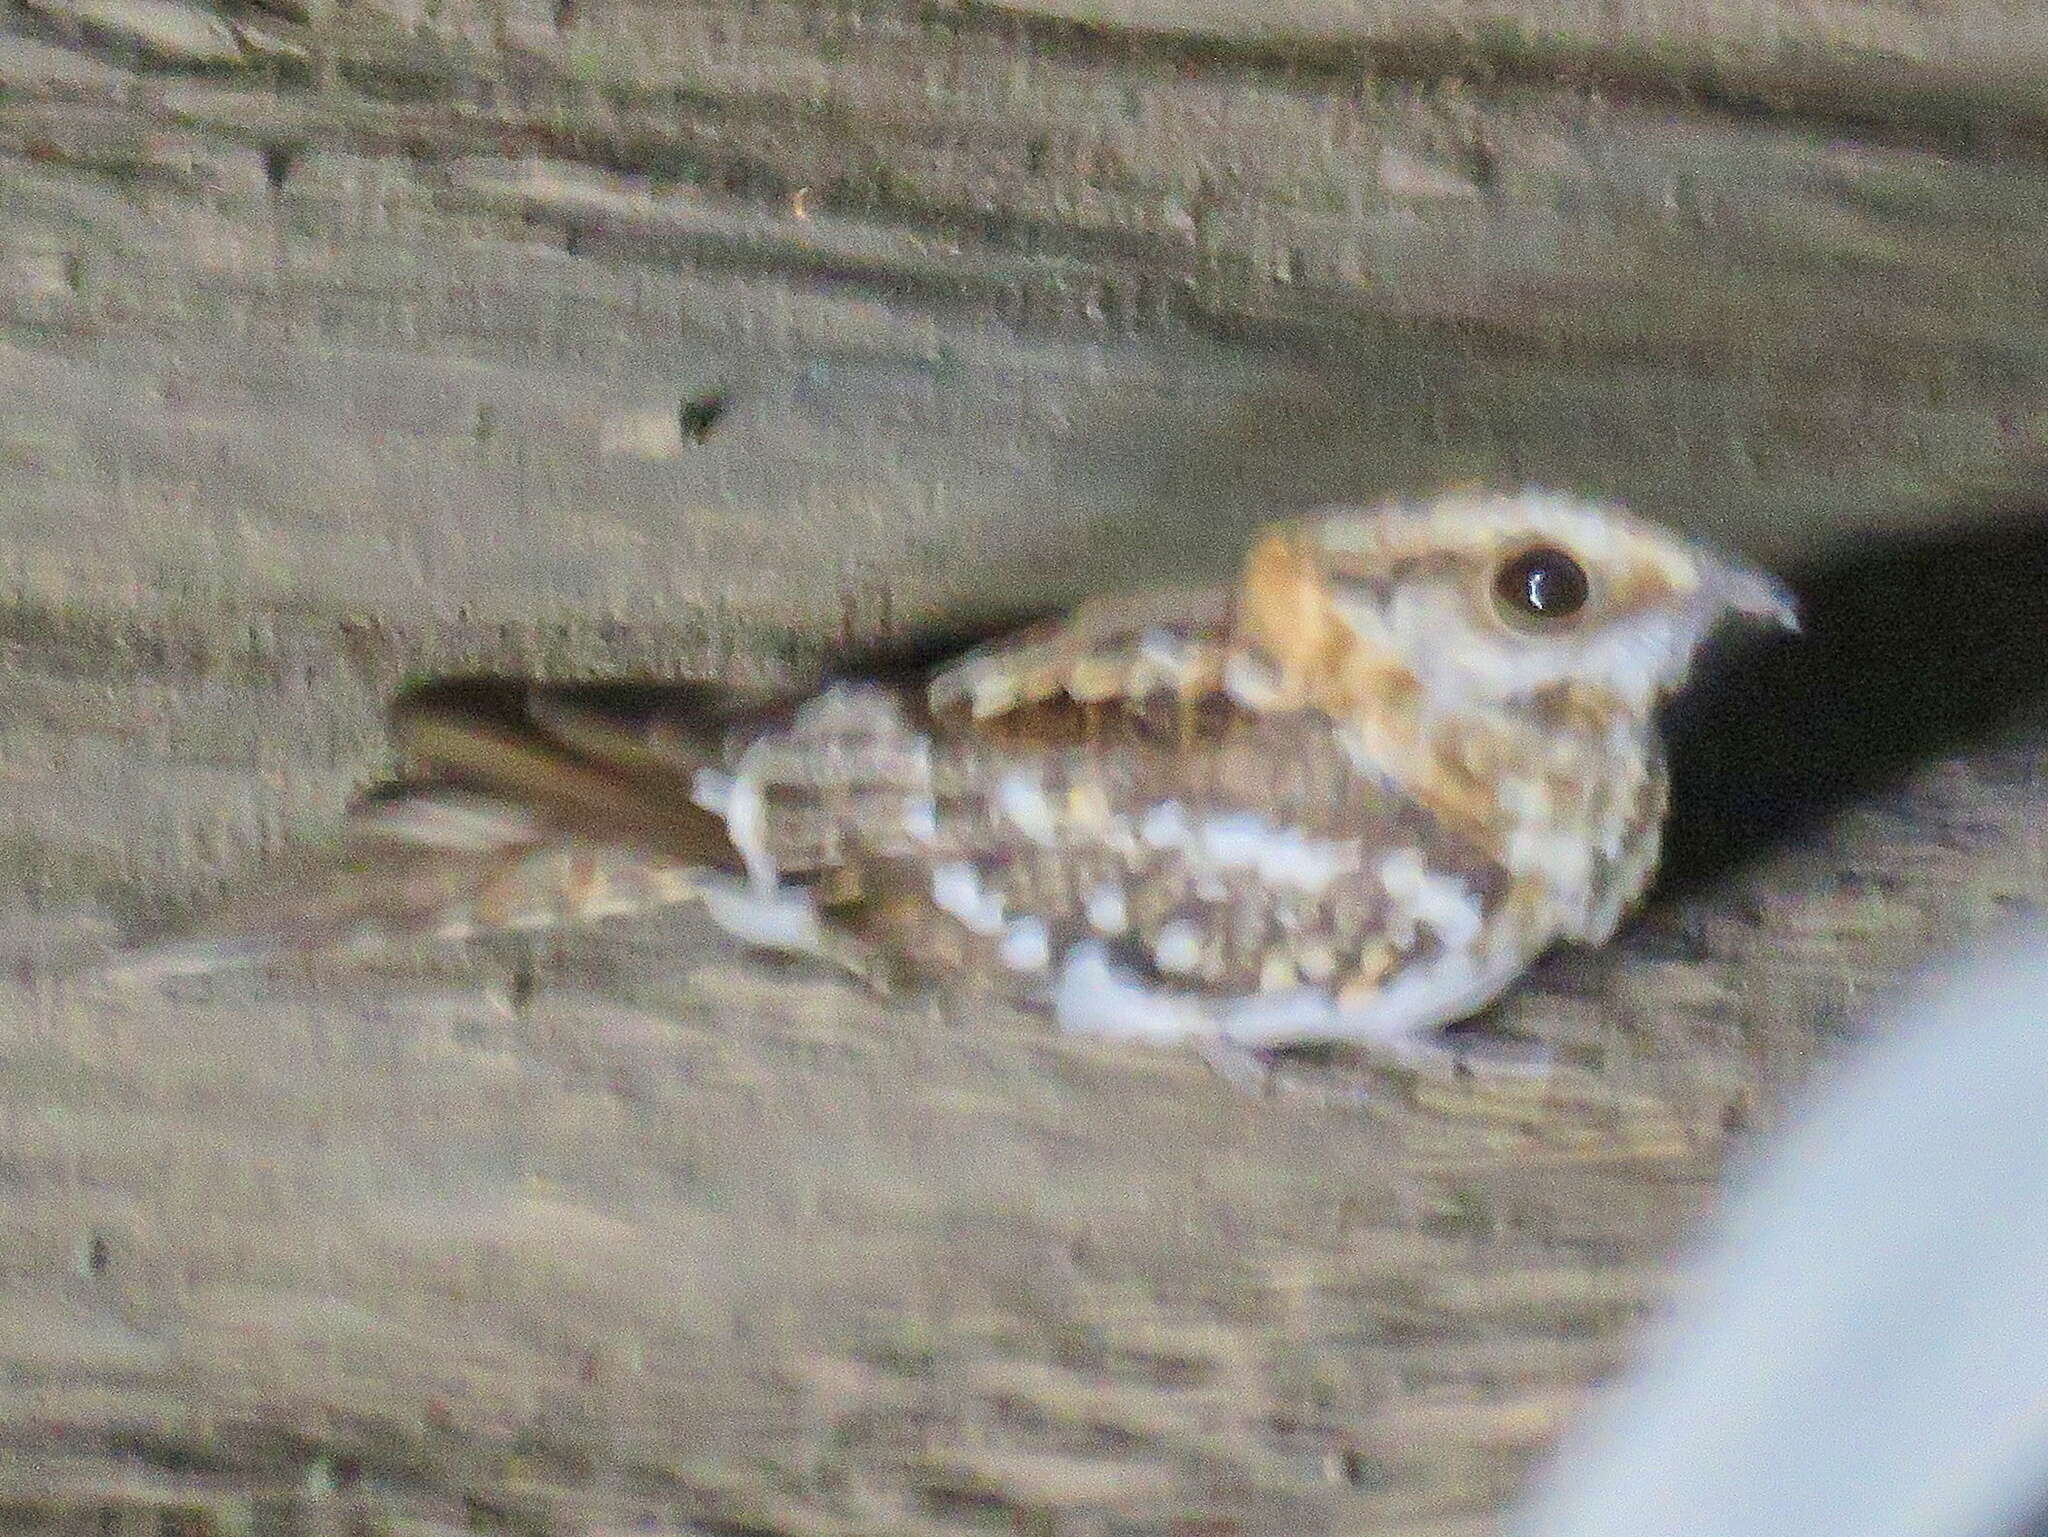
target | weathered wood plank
x=338, y=342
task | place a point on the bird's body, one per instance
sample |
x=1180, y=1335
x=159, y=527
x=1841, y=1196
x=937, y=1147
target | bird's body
x=1349, y=797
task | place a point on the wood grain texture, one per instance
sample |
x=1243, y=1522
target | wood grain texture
x=340, y=342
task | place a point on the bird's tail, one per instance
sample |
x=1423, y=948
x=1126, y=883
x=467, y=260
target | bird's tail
x=532, y=810
x=423, y=862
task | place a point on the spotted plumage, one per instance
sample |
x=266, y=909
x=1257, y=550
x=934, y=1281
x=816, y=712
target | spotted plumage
x=1350, y=796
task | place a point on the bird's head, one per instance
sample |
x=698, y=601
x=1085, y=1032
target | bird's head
x=1479, y=599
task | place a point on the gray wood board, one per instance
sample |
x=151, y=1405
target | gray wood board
x=339, y=343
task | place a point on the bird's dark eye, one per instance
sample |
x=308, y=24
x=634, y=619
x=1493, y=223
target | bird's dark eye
x=1542, y=584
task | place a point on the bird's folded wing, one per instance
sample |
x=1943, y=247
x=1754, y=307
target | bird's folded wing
x=1129, y=647
x=525, y=806
x=610, y=765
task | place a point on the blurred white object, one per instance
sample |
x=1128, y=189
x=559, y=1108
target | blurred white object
x=1865, y=1348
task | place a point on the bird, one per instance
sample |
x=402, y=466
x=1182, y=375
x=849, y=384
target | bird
x=1347, y=797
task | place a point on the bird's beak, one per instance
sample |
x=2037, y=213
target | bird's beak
x=1751, y=593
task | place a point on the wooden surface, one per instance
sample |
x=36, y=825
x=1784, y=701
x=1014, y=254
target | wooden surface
x=342, y=341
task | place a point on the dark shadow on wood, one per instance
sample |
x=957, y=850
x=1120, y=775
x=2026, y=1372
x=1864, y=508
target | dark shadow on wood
x=508, y=701
x=1912, y=648
x=914, y=654
x=903, y=658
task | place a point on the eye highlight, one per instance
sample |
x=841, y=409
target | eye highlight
x=1541, y=585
